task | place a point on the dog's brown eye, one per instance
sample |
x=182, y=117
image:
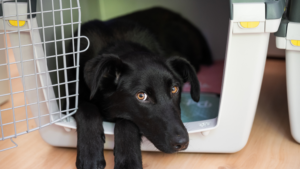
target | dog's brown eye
x=141, y=96
x=175, y=89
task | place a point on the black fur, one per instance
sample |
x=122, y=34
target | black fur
x=127, y=145
x=176, y=35
x=127, y=56
x=90, y=137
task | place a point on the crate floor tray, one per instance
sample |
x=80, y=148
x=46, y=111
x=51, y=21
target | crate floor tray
x=196, y=116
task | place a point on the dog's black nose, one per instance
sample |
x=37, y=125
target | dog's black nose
x=180, y=143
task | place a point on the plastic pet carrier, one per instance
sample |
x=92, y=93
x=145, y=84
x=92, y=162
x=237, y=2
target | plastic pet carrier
x=288, y=38
x=222, y=120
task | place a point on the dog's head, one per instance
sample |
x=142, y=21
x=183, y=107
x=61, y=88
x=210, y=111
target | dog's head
x=147, y=91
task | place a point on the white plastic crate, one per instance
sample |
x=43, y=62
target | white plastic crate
x=288, y=38
x=244, y=66
x=248, y=36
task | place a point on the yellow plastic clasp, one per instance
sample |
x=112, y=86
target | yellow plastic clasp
x=249, y=24
x=15, y=23
x=295, y=42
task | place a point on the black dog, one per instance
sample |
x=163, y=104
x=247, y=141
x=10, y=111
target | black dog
x=129, y=76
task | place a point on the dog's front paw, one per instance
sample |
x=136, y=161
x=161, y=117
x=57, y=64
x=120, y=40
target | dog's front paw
x=127, y=148
x=82, y=163
x=128, y=165
x=90, y=137
x=90, y=153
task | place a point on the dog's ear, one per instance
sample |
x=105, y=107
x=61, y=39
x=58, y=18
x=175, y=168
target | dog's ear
x=185, y=70
x=103, y=73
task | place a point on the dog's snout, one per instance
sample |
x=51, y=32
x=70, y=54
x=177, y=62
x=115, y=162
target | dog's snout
x=180, y=143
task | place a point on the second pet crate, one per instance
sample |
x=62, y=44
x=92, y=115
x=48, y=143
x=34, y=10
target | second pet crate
x=288, y=38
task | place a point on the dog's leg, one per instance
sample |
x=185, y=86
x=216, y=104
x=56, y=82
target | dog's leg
x=90, y=137
x=127, y=149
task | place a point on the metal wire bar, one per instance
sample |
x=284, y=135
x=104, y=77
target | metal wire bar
x=50, y=42
x=2, y=132
x=45, y=53
x=72, y=34
x=28, y=75
x=35, y=62
x=9, y=73
x=56, y=58
x=60, y=40
x=16, y=145
x=49, y=11
x=11, y=136
x=31, y=118
x=29, y=104
x=38, y=28
x=78, y=55
x=64, y=57
x=51, y=56
x=28, y=90
x=22, y=67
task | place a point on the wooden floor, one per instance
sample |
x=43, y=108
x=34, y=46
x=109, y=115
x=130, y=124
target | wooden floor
x=270, y=146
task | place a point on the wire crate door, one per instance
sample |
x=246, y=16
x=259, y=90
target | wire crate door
x=34, y=36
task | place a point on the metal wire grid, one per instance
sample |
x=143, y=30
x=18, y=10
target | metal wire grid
x=45, y=107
